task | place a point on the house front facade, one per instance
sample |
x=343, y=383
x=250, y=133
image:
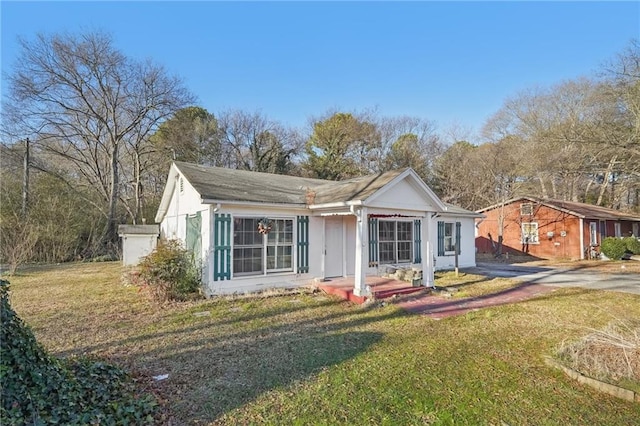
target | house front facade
x=255, y=230
x=551, y=229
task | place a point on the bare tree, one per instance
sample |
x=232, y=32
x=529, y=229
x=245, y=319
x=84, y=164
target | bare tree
x=252, y=141
x=87, y=102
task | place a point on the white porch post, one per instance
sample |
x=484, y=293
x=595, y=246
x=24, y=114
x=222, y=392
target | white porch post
x=427, y=256
x=362, y=241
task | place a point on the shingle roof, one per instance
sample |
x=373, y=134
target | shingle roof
x=138, y=229
x=587, y=211
x=216, y=183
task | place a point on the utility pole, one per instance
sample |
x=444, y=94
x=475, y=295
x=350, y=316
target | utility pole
x=25, y=179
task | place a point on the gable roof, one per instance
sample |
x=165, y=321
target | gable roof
x=217, y=184
x=221, y=184
x=581, y=210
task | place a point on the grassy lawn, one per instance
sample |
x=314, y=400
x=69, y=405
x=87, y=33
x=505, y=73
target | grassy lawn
x=311, y=359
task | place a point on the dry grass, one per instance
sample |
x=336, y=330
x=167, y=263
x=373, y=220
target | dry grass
x=611, y=354
x=309, y=358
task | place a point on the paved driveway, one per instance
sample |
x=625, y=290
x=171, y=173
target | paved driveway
x=561, y=277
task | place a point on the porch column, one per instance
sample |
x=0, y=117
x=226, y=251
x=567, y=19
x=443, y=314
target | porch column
x=427, y=250
x=362, y=241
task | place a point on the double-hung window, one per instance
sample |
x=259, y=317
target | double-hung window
x=395, y=241
x=449, y=238
x=530, y=233
x=257, y=254
x=280, y=246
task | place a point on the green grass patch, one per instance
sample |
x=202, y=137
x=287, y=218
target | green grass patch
x=465, y=285
x=312, y=359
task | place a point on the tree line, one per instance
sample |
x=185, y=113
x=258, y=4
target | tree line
x=88, y=135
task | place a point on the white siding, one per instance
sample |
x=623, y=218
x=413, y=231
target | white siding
x=134, y=247
x=402, y=196
x=261, y=282
x=467, y=257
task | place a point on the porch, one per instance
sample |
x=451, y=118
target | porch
x=381, y=288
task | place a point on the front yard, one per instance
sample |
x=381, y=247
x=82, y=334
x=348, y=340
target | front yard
x=311, y=359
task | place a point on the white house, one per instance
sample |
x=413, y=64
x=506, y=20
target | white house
x=258, y=230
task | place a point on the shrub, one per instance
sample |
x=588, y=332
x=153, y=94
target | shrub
x=633, y=244
x=613, y=248
x=169, y=272
x=39, y=389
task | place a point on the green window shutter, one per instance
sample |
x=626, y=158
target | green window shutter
x=417, y=241
x=193, y=240
x=373, y=241
x=303, y=244
x=222, y=247
x=440, y=238
x=458, y=237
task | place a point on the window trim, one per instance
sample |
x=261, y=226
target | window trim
x=529, y=207
x=617, y=229
x=264, y=248
x=396, y=241
x=593, y=234
x=522, y=233
x=453, y=238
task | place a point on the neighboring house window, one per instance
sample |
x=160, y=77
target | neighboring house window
x=530, y=233
x=618, y=229
x=395, y=241
x=254, y=253
x=526, y=209
x=634, y=230
x=593, y=232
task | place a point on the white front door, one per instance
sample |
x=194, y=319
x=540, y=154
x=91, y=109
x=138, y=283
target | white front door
x=334, y=252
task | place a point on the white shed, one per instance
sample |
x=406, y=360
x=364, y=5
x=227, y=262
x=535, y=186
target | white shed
x=137, y=242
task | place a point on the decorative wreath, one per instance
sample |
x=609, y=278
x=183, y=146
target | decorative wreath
x=264, y=226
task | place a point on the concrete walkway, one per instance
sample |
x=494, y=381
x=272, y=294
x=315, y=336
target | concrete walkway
x=438, y=307
x=562, y=277
x=536, y=281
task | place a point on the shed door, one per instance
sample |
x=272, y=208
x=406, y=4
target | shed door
x=194, y=235
x=334, y=251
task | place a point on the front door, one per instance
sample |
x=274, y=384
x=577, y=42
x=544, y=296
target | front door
x=334, y=252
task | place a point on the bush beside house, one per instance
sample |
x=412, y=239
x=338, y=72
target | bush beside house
x=616, y=248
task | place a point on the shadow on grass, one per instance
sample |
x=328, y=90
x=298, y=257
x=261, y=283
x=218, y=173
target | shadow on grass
x=220, y=364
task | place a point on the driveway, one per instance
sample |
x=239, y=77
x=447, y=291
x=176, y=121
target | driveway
x=562, y=277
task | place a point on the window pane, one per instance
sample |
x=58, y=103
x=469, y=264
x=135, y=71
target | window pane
x=530, y=232
x=247, y=260
x=404, y=251
x=246, y=232
x=387, y=252
x=387, y=231
x=280, y=245
x=405, y=231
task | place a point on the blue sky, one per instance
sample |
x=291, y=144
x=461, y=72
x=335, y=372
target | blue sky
x=451, y=62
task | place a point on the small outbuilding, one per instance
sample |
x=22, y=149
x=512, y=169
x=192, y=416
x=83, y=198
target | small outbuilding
x=137, y=242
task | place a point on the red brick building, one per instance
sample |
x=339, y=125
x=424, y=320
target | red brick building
x=551, y=229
